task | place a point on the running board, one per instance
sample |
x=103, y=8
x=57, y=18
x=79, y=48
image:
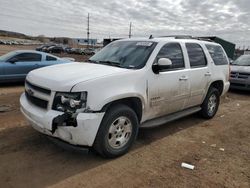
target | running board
x=171, y=117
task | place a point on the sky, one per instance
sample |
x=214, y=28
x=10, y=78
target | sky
x=228, y=19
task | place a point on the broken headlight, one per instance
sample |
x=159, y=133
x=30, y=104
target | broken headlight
x=69, y=102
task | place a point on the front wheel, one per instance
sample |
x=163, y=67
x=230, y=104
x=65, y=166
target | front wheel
x=117, y=131
x=211, y=103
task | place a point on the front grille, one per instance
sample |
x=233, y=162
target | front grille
x=36, y=101
x=240, y=75
x=40, y=89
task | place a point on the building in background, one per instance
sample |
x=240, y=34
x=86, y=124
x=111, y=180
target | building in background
x=109, y=40
x=247, y=52
x=229, y=47
x=84, y=41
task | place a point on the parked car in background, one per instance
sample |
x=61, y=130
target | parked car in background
x=55, y=49
x=71, y=50
x=2, y=42
x=15, y=65
x=78, y=51
x=40, y=48
x=89, y=51
x=67, y=49
x=8, y=42
x=240, y=73
x=44, y=47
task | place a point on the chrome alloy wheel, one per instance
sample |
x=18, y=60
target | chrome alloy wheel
x=212, y=103
x=119, y=132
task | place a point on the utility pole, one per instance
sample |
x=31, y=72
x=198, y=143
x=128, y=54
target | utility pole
x=130, y=26
x=88, y=31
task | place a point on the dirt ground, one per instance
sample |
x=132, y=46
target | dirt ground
x=29, y=159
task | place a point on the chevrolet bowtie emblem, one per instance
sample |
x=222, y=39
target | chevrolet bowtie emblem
x=30, y=92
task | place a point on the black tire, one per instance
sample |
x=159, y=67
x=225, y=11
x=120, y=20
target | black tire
x=102, y=145
x=205, y=108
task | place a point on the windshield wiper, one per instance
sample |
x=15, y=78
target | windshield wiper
x=112, y=63
x=92, y=61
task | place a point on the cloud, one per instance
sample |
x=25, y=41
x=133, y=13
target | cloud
x=226, y=18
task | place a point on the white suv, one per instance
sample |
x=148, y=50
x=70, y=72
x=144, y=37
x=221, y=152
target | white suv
x=129, y=84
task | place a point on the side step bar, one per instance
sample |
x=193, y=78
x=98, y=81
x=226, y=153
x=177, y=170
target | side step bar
x=171, y=117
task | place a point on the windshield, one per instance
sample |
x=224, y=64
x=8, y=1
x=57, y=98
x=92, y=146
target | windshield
x=243, y=60
x=125, y=54
x=7, y=56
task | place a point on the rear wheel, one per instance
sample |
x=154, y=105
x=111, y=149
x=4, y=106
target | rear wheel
x=210, y=104
x=117, y=131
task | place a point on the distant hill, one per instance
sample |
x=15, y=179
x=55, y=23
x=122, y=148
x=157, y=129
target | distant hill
x=14, y=34
x=41, y=38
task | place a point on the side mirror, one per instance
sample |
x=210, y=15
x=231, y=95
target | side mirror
x=164, y=62
x=13, y=60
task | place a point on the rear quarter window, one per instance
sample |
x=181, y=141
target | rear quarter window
x=196, y=55
x=217, y=54
x=50, y=58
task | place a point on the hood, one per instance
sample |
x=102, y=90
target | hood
x=243, y=69
x=63, y=77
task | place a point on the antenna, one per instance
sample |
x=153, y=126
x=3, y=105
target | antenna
x=88, y=31
x=130, y=26
x=151, y=37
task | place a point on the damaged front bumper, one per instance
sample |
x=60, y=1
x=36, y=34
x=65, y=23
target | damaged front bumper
x=84, y=133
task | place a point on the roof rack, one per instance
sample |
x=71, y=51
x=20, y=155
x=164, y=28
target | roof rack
x=189, y=37
x=179, y=36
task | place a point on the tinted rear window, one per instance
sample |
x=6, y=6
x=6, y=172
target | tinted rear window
x=217, y=54
x=196, y=55
x=50, y=58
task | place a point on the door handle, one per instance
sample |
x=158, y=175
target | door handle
x=208, y=74
x=183, y=78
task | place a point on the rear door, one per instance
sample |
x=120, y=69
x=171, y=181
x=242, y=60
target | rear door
x=199, y=73
x=24, y=63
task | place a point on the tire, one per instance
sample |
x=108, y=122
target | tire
x=112, y=142
x=211, y=103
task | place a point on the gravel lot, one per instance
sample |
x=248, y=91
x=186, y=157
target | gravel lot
x=29, y=159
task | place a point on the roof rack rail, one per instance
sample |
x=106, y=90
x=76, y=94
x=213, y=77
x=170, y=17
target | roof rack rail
x=179, y=36
x=189, y=37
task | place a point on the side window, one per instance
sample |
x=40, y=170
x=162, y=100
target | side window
x=26, y=57
x=50, y=58
x=196, y=55
x=173, y=52
x=217, y=54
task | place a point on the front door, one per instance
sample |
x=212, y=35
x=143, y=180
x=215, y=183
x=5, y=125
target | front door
x=170, y=89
